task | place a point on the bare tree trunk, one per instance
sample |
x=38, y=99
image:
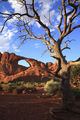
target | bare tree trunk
x=68, y=100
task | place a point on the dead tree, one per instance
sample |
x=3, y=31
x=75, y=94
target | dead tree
x=53, y=45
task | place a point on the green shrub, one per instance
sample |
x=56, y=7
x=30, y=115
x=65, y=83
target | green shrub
x=28, y=85
x=52, y=87
x=20, y=89
x=0, y=88
x=19, y=83
x=36, y=84
x=16, y=82
x=2, y=82
x=75, y=71
x=7, y=87
x=76, y=92
x=15, y=91
x=41, y=84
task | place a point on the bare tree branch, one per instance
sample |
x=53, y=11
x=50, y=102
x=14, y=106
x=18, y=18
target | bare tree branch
x=74, y=63
x=41, y=23
x=65, y=16
x=65, y=27
x=60, y=21
x=78, y=26
x=66, y=47
x=75, y=16
x=70, y=12
x=66, y=44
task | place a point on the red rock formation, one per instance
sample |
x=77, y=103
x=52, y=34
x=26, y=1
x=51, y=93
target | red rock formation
x=10, y=70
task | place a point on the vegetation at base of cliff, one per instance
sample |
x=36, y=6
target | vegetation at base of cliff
x=76, y=92
x=0, y=88
x=52, y=87
x=20, y=86
x=75, y=75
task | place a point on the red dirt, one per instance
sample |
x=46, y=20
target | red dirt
x=30, y=107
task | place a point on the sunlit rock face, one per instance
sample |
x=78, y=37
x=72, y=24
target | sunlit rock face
x=10, y=70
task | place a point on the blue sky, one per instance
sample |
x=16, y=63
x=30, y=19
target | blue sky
x=35, y=48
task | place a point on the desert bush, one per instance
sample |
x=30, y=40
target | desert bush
x=36, y=84
x=19, y=89
x=75, y=71
x=15, y=91
x=76, y=92
x=28, y=85
x=13, y=88
x=7, y=87
x=52, y=87
x=16, y=82
x=29, y=90
x=0, y=88
x=41, y=84
x=19, y=82
x=2, y=83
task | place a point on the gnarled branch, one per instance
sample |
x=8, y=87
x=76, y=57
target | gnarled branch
x=74, y=63
x=60, y=21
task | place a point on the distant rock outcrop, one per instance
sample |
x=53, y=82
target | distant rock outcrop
x=10, y=70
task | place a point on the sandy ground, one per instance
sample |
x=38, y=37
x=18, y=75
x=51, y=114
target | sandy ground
x=31, y=107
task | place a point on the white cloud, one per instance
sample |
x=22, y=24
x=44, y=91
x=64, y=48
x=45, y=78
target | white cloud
x=38, y=25
x=51, y=30
x=15, y=48
x=44, y=6
x=37, y=45
x=5, y=38
x=11, y=21
x=67, y=10
x=58, y=17
x=6, y=11
x=17, y=6
x=47, y=1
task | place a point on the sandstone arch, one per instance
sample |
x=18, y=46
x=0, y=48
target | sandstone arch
x=10, y=69
x=23, y=63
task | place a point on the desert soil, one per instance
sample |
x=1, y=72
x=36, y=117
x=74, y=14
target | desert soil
x=31, y=107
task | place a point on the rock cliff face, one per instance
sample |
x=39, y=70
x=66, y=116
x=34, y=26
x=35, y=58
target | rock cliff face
x=10, y=70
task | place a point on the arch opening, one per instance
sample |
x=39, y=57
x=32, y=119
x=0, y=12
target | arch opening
x=23, y=63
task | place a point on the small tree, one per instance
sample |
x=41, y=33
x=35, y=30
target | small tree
x=65, y=27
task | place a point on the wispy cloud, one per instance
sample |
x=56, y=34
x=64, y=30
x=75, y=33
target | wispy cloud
x=45, y=7
x=17, y=6
x=37, y=45
x=15, y=48
x=6, y=38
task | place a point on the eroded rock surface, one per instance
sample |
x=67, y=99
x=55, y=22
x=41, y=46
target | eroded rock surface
x=10, y=70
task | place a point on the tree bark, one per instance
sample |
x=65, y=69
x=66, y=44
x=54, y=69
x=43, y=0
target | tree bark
x=68, y=99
